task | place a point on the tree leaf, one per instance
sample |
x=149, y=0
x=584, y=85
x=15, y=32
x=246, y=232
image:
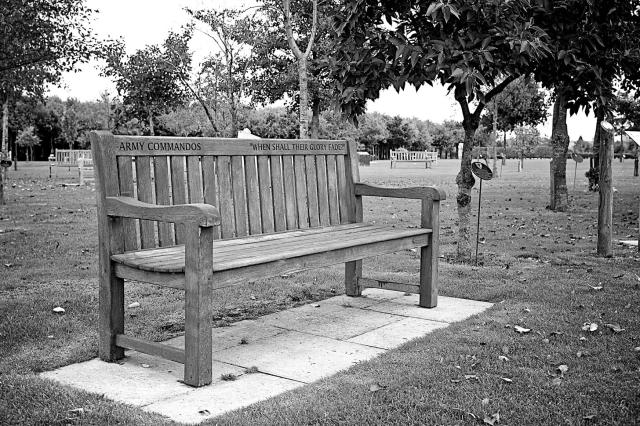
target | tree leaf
x=521, y=330
x=563, y=369
x=590, y=326
x=615, y=328
x=491, y=420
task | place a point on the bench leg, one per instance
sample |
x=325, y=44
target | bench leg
x=429, y=255
x=428, y=278
x=352, y=271
x=198, y=295
x=111, y=317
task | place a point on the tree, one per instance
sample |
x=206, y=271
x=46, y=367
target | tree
x=521, y=103
x=227, y=69
x=301, y=57
x=474, y=48
x=277, y=123
x=276, y=72
x=447, y=136
x=593, y=44
x=188, y=120
x=28, y=139
x=373, y=131
x=149, y=81
x=39, y=40
x=70, y=122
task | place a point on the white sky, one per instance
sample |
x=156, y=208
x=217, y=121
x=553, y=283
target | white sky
x=144, y=22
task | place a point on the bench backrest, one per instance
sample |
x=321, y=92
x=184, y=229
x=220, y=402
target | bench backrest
x=259, y=186
x=70, y=157
x=413, y=155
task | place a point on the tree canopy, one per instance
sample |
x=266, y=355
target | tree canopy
x=474, y=48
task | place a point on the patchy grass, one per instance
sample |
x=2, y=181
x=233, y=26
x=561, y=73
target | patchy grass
x=538, y=267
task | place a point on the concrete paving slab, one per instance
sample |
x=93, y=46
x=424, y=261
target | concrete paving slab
x=235, y=334
x=397, y=333
x=211, y=401
x=289, y=349
x=449, y=309
x=329, y=320
x=298, y=356
x=138, y=380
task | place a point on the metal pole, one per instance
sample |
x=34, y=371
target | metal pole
x=574, y=175
x=478, y=225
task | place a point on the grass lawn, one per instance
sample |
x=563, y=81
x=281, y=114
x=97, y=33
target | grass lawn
x=538, y=267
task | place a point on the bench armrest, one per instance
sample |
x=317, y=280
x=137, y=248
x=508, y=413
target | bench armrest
x=417, y=192
x=204, y=215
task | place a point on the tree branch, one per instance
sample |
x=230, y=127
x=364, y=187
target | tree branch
x=498, y=89
x=287, y=25
x=314, y=27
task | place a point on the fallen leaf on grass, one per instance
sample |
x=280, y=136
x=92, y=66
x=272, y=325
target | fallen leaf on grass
x=77, y=411
x=596, y=287
x=8, y=265
x=506, y=379
x=589, y=417
x=59, y=310
x=615, y=328
x=492, y=420
x=637, y=349
x=485, y=401
x=204, y=412
x=590, y=326
x=376, y=387
x=503, y=358
x=618, y=276
x=471, y=377
x=563, y=369
x=521, y=330
x=455, y=380
x=134, y=305
x=145, y=365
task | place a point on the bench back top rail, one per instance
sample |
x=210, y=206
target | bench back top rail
x=259, y=186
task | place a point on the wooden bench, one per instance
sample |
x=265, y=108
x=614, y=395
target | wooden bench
x=404, y=156
x=85, y=170
x=198, y=214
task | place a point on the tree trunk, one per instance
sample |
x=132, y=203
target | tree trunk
x=315, y=119
x=304, y=98
x=302, y=62
x=598, y=137
x=605, y=207
x=233, y=110
x=559, y=198
x=152, y=131
x=4, y=146
x=465, y=182
x=495, y=135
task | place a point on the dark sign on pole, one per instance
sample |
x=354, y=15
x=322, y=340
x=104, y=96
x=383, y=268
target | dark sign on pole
x=483, y=172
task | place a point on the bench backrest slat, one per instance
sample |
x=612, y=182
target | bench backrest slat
x=166, y=236
x=259, y=186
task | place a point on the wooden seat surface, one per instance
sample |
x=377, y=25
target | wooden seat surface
x=259, y=249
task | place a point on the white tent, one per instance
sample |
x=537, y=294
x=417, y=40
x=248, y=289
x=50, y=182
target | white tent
x=634, y=135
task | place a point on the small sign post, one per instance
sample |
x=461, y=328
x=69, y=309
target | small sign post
x=483, y=172
x=52, y=162
x=578, y=159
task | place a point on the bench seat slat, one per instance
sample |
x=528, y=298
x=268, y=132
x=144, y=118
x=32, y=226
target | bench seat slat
x=238, y=253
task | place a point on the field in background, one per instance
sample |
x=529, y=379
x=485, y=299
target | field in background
x=539, y=267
